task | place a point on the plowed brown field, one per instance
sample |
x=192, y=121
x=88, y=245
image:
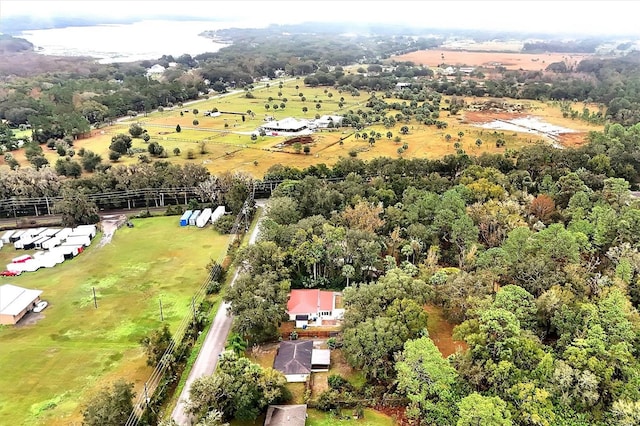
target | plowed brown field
x=512, y=61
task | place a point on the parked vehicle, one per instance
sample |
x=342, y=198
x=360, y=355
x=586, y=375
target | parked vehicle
x=40, y=306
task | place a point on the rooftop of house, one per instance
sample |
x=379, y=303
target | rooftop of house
x=309, y=301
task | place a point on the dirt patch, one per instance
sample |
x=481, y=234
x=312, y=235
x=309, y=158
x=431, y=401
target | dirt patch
x=441, y=332
x=302, y=140
x=30, y=318
x=511, y=61
x=164, y=133
x=110, y=225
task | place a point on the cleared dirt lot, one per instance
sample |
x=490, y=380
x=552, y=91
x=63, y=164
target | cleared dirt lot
x=512, y=61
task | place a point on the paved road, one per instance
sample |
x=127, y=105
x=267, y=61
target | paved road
x=213, y=345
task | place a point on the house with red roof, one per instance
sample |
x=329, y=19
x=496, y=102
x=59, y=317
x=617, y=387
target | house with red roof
x=313, y=305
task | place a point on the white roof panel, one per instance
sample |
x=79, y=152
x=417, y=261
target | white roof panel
x=14, y=299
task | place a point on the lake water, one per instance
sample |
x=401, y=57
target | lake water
x=130, y=42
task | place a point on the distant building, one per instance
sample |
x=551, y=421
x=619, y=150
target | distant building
x=287, y=125
x=326, y=121
x=15, y=302
x=155, y=71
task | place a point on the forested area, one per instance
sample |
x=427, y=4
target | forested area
x=536, y=260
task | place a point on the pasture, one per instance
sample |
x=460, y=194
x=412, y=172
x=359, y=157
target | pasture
x=224, y=143
x=49, y=369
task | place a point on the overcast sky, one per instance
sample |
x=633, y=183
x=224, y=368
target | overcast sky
x=583, y=17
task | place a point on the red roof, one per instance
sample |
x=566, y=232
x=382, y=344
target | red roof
x=309, y=301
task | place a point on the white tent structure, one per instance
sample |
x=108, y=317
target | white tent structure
x=217, y=214
x=204, y=217
x=37, y=244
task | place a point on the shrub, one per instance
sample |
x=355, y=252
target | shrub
x=224, y=224
x=214, y=287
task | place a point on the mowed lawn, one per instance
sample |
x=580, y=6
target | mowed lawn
x=371, y=418
x=48, y=370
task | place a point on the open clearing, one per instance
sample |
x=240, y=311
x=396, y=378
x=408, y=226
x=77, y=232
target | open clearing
x=224, y=143
x=509, y=60
x=49, y=369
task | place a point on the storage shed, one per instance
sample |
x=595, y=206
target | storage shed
x=184, y=219
x=15, y=302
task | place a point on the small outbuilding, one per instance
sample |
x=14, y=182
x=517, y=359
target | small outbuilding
x=294, y=360
x=15, y=302
x=286, y=415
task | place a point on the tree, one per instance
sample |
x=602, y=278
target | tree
x=114, y=156
x=120, y=143
x=76, y=209
x=305, y=109
x=478, y=410
x=428, y=381
x=404, y=130
x=306, y=149
x=156, y=345
x=259, y=303
x=240, y=389
x=176, y=151
x=178, y=128
x=195, y=122
x=135, y=130
x=110, y=407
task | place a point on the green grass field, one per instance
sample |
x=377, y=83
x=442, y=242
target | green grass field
x=48, y=370
x=371, y=418
x=228, y=145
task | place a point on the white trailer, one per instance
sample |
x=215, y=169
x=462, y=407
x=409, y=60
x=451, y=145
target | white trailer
x=6, y=237
x=89, y=230
x=25, y=243
x=193, y=218
x=48, y=259
x=78, y=240
x=30, y=265
x=217, y=214
x=51, y=243
x=64, y=233
x=16, y=236
x=204, y=218
x=37, y=244
x=50, y=232
x=69, y=251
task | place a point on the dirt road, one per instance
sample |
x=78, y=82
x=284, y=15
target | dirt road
x=213, y=345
